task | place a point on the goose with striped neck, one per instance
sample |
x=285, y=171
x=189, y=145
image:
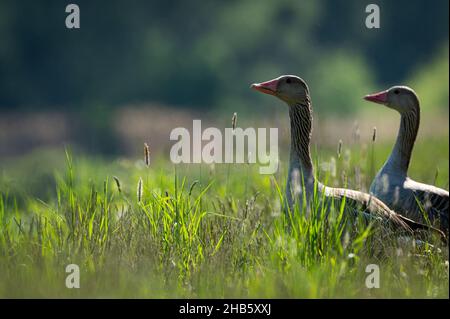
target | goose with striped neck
x=392, y=185
x=295, y=93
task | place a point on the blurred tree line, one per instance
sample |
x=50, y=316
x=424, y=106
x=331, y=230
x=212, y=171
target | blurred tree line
x=204, y=54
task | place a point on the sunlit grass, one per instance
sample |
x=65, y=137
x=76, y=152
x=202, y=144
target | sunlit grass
x=202, y=231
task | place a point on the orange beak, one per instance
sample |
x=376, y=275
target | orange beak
x=269, y=87
x=380, y=97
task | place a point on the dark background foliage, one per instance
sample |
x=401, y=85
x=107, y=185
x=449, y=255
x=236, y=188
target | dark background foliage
x=197, y=53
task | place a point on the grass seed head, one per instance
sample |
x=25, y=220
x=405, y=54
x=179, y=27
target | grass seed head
x=339, y=149
x=234, y=121
x=119, y=188
x=140, y=190
x=146, y=154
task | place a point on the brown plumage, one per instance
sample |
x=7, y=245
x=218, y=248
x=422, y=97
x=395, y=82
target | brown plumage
x=294, y=91
x=412, y=199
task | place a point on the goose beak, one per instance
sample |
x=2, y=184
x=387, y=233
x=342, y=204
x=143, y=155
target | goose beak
x=380, y=97
x=269, y=87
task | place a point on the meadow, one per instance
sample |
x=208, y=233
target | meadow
x=77, y=106
x=203, y=231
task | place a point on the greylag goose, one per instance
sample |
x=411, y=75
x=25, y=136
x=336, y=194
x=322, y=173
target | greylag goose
x=294, y=91
x=392, y=184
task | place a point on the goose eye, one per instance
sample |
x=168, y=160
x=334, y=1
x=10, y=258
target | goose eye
x=288, y=81
x=396, y=91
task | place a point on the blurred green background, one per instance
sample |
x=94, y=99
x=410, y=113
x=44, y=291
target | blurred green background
x=138, y=69
x=132, y=61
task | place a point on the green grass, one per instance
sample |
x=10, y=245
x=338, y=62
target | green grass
x=202, y=231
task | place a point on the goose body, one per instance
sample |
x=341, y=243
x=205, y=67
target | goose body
x=294, y=91
x=417, y=201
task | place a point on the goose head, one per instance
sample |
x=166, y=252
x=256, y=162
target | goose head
x=288, y=88
x=400, y=98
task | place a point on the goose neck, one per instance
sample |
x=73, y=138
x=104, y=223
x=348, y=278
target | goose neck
x=301, y=128
x=406, y=137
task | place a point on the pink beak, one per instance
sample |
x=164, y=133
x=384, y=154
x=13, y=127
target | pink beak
x=380, y=97
x=269, y=87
